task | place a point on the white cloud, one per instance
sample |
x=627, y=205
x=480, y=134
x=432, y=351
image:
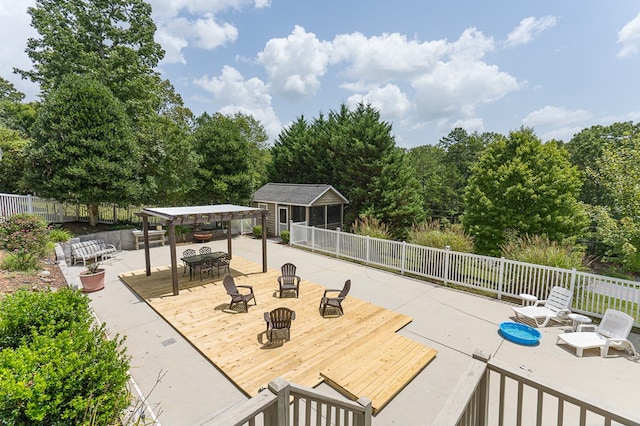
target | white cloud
x=562, y=134
x=195, y=23
x=389, y=100
x=296, y=63
x=528, y=29
x=236, y=94
x=555, y=116
x=209, y=34
x=629, y=38
x=389, y=56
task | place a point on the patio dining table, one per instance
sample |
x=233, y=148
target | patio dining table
x=194, y=261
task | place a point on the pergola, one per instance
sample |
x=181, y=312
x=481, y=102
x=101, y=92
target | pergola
x=198, y=214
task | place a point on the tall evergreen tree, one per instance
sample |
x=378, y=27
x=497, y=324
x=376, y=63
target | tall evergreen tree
x=354, y=151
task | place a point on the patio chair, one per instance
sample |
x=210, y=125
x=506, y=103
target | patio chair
x=205, y=250
x=335, y=301
x=611, y=333
x=187, y=253
x=207, y=266
x=236, y=296
x=556, y=306
x=289, y=281
x=279, y=319
x=223, y=262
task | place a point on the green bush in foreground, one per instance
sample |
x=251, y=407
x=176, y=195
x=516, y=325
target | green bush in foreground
x=62, y=371
x=25, y=314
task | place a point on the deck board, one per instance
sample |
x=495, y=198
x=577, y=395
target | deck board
x=359, y=353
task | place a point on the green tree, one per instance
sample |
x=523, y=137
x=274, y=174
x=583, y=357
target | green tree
x=354, y=151
x=521, y=186
x=586, y=149
x=168, y=161
x=13, y=113
x=288, y=152
x=13, y=161
x=83, y=149
x=112, y=41
x=619, y=175
x=463, y=149
x=440, y=181
x=229, y=146
x=8, y=92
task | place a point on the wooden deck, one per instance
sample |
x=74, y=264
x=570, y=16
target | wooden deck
x=358, y=353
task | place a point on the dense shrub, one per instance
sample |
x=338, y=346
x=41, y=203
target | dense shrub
x=257, y=231
x=55, y=367
x=25, y=236
x=542, y=251
x=25, y=313
x=440, y=234
x=372, y=227
x=285, y=236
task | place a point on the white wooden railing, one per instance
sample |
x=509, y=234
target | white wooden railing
x=284, y=403
x=492, y=393
x=592, y=294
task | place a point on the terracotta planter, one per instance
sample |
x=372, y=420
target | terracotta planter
x=92, y=282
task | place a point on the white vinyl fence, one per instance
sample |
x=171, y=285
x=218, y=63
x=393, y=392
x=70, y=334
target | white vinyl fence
x=56, y=212
x=592, y=294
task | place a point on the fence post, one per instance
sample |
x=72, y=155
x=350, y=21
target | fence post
x=29, y=204
x=403, y=257
x=338, y=242
x=313, y=239
x=446, y=264
x=282, y=389
x=572, y=286
x=500, y=278
x=366, y=260
x=290, y=233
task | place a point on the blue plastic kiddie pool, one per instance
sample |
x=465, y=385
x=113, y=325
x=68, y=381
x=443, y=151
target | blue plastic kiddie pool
x=519, y=333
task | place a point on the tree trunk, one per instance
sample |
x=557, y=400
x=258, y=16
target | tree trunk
x=93, y=214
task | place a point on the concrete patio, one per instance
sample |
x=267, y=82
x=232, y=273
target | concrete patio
x=454, y=323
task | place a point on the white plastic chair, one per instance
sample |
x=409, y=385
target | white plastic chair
x=611, y=333
x=556, y=306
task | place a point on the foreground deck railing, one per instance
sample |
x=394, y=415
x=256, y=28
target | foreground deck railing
x=284, y=403
x=491, y=393
x=592, y=294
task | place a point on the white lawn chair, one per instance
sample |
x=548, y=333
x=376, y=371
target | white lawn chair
x=556, y=306
x=611, y=333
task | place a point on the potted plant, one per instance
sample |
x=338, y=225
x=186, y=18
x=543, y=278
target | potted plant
x=92, y=278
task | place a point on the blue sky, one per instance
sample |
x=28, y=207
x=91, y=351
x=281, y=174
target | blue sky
x=428, y=67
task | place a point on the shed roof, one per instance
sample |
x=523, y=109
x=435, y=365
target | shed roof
x=301, y=194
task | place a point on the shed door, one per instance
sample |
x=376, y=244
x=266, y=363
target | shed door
x=283, y=219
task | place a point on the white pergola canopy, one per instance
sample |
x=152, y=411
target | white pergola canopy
x=198, y=214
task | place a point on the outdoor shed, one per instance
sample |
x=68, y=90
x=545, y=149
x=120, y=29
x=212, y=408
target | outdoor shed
x=316, y=205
